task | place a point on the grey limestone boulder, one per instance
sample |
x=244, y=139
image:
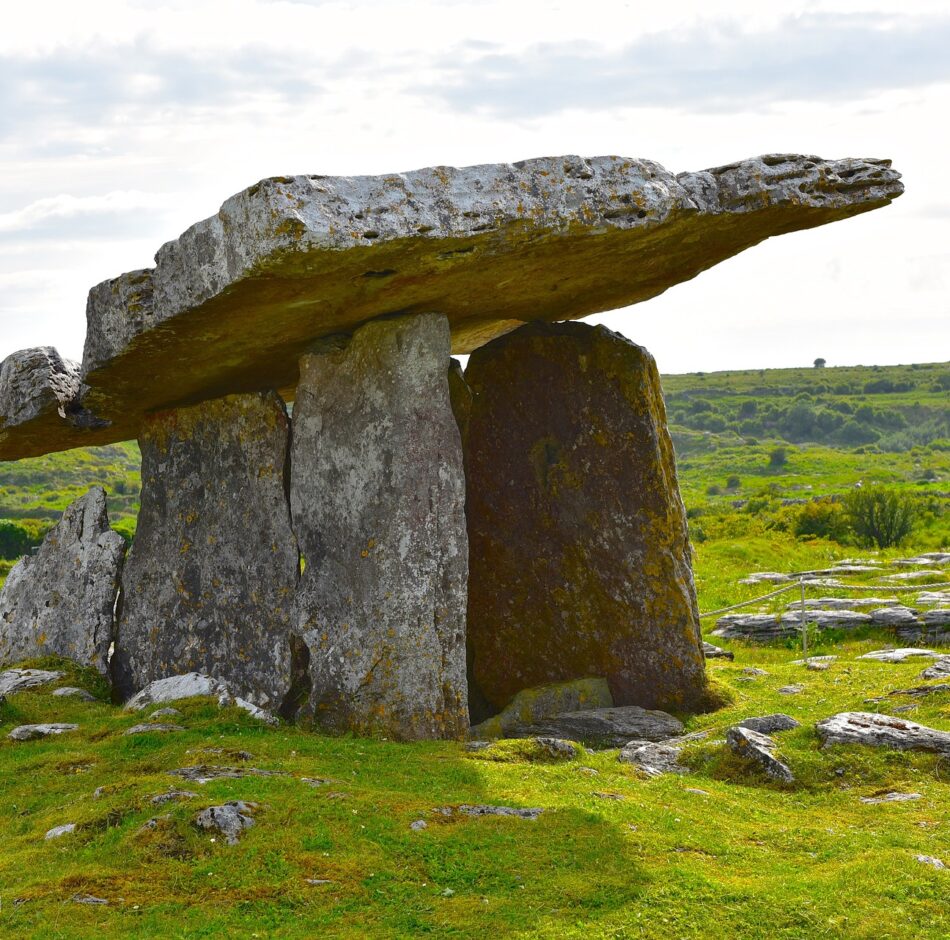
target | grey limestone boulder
x=58, y=832
x=900, y=655
x=209, y=584
x=33, y=732
x=753, y=746
x=69, y=691
x=652, y=758
x=769, y=724
x=378, y=500
x=230, y=819
x=939, y=670
x=61, y=601
x=882, y=731
x=175, y=688
x=18, y=680
x=611, y=727
x=894, y=616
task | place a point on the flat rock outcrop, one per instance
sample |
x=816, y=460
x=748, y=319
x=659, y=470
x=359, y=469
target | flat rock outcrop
x=234, y=302
x=610, y=727
x=766, y=627
x=769, y=724
x=579, y=555
x=882, y=731
x=32, y=732
x=209, y=584
x=378, y=501
x=19, y=680
x=61, y=601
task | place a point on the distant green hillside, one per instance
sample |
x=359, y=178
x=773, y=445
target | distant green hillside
x=890, y=408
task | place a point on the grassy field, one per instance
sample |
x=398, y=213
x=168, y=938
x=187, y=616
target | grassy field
x=721, y=852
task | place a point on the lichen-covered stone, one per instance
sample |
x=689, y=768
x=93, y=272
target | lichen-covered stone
x=209, y=584
x=61, y=601
x=610, y=727
x=378, y=502
x=877, y=730
x=579, y=555
x=757, y=747
x=235, y=301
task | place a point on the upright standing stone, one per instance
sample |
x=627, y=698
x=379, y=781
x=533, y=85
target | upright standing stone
x=580, y=560
x=61, y=601
x=377, y=496
x=210, y=580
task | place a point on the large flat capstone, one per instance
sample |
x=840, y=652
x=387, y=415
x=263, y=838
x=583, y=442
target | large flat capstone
x=579, y=556
x=233, y=303
x=60, y=601
x=378, y=502
x=209, y=584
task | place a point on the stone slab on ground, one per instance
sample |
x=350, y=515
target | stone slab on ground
x=209, y=584
x=230, y=819
x=939, y=670
x=611, y=727
x=233, y=303
x=900, y=655
x=33, y=732
x=652, y=758
x=877, y=730
x=18, y=680
x=377, y=493
x=769, y=724
x=61, y=601
x=70, y=691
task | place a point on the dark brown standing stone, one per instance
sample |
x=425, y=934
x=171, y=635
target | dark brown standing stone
x=209, y=583
x=378, y=497
x=579, y=554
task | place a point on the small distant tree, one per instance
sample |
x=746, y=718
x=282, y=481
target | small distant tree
x=733, y=482
x=778, y=458
x=820, y=363
x=880, y=516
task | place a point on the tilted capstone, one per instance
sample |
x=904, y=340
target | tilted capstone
x=209, y=583
x=61, y=601
x=232, y=304
x=579, y=553
x=377, y=494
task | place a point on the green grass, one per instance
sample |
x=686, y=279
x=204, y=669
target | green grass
x=746, y=857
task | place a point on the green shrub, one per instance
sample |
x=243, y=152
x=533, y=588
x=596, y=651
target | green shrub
x=821, y=519
x=778, y=458
x=880, y=516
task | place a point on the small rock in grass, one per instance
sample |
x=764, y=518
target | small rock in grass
x=556, y=748
x=919, y=690
x=419, y=824
x=204, y=773
x=165, y=713
x=769, y=724
x=318, y=881
x=757, y=747
x=172, y=796
x=153, y=727
x=17, y=680
x=315, y=781
x=892, y=796
x=608, y=796
x=653, y=759
x=791, y=689
x=71, y=691
x=899, y=655
x=931, y=861
x=717, y=652
x=230, y=819
x=939, y=670
x=589, y=771
x=904, y=708
x=32, y=732
x=818, y=667
x=754, y=671
x=88, y=899
x=813, y=659
x=697, y=790
x=477, y=745
x=483, y=810
x=57, y=831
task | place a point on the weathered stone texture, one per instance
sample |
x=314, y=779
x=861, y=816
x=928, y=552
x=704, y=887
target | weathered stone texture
x=209, y=584
x=233, y=303
x=377, y=497
x=579, y=555
x=61, y=601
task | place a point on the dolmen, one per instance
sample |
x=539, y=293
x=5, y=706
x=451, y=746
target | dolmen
x=336, y=519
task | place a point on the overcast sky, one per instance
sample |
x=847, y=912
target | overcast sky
x=124, y=121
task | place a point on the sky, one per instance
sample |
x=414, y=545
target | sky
x=122, y=122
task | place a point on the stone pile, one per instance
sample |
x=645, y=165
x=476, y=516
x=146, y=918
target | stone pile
x=415, y=545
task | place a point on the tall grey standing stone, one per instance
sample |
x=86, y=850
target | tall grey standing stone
x=579, y=562
x=378, y=499
x=61, y=601
x=209, y=583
